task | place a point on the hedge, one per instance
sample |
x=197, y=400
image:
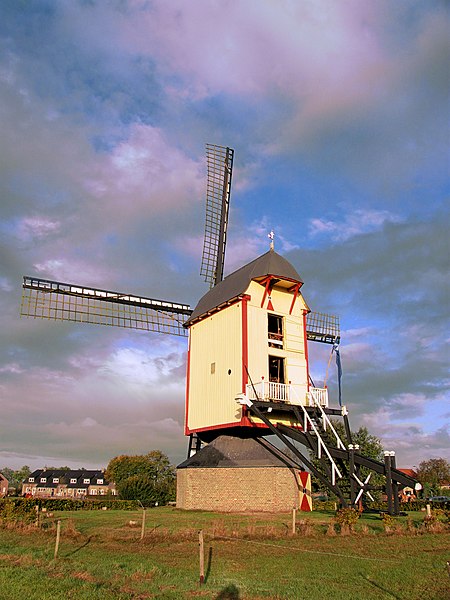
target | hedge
x=28, y=505
x=410, y=506
x=415, y=505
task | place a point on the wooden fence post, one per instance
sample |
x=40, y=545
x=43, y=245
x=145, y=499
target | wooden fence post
x=201, y=556
x=144, y=512
x=293, y=520
x=58, y=532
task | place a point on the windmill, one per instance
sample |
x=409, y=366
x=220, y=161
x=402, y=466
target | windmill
x=247, y=373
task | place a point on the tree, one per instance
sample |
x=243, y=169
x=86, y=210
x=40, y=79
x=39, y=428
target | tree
x=15, y=478
x=432, y=474
x=149, y=478
x=145, y=489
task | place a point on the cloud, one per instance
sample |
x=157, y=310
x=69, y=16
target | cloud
x=354, y=223
x=36, y=227
x=117, y=403
x=409, y=439
x=338, y=114
x=389, y=288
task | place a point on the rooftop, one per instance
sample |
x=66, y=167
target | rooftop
x=237, y=283
x=230, y=451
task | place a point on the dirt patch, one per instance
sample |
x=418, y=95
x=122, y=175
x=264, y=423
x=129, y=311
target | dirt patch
x=84, y=576
x=144, y=575
x=19, y=561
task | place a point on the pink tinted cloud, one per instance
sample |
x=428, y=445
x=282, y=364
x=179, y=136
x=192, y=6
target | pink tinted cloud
x=253, y=46
x=146, y=174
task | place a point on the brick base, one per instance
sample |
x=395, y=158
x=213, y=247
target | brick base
x=259, y=489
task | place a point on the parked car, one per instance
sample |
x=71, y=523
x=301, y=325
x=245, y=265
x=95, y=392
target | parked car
x=439, y=499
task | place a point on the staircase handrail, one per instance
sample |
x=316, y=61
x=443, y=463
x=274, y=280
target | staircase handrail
x=327, y=422
x=320, y=444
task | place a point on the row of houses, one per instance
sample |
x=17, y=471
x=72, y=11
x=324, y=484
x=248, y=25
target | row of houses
x=60, y=483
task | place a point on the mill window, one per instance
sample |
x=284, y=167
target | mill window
x=276, y=369
x=275, y=331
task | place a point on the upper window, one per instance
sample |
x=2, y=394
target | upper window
x=100, y=481
x=86, y=480
x=55, y=480
x=73, y=480
x=31, y=479
x=43, y=479
x=275, y=331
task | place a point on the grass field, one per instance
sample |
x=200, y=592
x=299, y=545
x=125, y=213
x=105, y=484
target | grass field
x=247, y=557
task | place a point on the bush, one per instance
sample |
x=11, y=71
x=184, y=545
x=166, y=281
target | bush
x=389, y=522
x=17, y=510
x=24, y=509
x=404, y=506
x=347, y=518
x=324, y=505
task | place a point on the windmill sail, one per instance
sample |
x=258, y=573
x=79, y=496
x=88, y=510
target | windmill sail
x=218, y=189
x=324, y=328
x=45, y=299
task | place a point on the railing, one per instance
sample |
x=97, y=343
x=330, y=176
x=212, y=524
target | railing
x=282, y=392
x=318, y=397
x=326, y=423
x=269, y=390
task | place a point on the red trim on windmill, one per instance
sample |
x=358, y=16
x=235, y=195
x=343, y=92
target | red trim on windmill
x=188, y=366
x=266, y=282
x=295, y=289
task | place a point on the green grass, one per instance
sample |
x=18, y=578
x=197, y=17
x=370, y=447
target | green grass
x=247, y=557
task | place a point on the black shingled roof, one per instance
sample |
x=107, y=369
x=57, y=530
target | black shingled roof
x=237, y=283
x=229, y=451
x=65, y=475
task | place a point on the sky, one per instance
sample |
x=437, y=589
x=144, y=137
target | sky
x=338, y=113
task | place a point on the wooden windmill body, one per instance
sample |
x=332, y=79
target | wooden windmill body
x=253, y=324
x=247, y=374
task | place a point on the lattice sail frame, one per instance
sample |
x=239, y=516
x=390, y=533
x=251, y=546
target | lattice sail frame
x=45, y=299
x=321, y=327
x=218, y=189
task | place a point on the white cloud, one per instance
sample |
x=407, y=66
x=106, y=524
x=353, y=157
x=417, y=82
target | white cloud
x=12, y=368
x=144, y=173
x=30, y=228
x=70, y=270
x=353, y=223
x=408, y=436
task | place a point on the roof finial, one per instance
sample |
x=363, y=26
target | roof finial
x=271, y=235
